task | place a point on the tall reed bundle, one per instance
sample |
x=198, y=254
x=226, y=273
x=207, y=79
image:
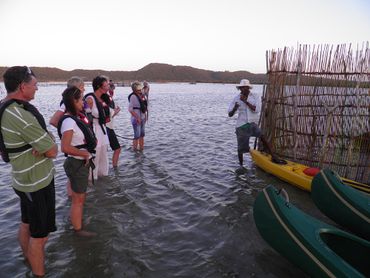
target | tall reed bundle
x=316, y=107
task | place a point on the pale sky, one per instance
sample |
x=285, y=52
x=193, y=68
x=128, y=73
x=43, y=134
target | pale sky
x=208, y=34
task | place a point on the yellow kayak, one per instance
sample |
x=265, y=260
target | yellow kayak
x=294, y=173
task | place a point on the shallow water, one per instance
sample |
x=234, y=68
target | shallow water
x=176, y=210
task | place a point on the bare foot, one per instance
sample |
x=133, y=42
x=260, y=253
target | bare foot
x=84, y=233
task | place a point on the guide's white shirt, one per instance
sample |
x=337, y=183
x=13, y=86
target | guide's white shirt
x=245, y=114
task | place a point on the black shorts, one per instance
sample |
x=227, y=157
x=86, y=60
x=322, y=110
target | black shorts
x=113, y=141
x=38, y=210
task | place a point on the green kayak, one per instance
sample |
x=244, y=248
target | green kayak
x=346, y=206
x=317, y=248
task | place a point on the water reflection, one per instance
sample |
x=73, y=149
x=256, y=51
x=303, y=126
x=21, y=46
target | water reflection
x=178, y=209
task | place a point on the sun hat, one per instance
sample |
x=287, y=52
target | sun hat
x=244, y=83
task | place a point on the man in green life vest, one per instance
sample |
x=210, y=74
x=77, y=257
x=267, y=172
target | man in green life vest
x=30, y=150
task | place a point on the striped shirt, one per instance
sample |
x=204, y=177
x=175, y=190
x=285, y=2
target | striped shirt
x=19, y=127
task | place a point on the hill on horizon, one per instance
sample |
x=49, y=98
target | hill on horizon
x=154, y=72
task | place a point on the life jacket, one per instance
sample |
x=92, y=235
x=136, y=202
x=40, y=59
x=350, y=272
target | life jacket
x=108, y=99
x=107, y=104
x=28, y=107
x=83, y=123
x=102, y=114
x=143, y=103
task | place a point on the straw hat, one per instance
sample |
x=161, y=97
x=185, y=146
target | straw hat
x=244, y=83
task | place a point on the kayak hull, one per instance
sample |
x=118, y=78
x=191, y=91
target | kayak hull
x=346, y=206
x=317, y=248
x=293, y=172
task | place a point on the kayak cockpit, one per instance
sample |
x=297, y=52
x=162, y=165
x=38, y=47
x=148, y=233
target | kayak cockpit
x=353, y=250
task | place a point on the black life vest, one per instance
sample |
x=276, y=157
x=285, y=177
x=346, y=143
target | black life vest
x=143, y=103
x=108, y=100
x=28, y=107
x=107, y=103
x=90, y=139
x=102, y=113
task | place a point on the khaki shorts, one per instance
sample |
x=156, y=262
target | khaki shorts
x=78, y=174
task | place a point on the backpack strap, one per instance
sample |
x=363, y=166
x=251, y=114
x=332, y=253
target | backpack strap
x=28, y=107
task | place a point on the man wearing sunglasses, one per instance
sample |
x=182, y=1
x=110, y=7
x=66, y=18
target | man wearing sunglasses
x=28, y=147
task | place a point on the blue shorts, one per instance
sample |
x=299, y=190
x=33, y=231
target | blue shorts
x=243, y=133
x=139, y=129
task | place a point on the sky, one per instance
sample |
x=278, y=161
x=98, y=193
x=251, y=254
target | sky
x=219, y=35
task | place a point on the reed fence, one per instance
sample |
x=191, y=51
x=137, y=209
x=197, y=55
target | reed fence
x=316, y=107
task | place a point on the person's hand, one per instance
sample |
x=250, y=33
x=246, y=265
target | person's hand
x=86, y=155
x=243, y=98
x=236, y=106
x=117, y=109
x=138, y=120
x=36, y=153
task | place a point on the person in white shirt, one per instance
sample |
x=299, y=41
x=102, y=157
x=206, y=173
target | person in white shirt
x=78, y=142
x=95, y=107
x=245, y=103
x=74, y=81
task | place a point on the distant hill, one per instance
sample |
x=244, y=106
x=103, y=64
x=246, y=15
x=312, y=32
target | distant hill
x=154, y=72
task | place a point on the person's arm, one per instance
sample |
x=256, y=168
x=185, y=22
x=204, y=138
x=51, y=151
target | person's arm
x=42, y=142
x=233, y=110
x=52, y=153
x=132, y=111
x=54, y=120
x=116, y=111
x=244, y=99
x=90, y=102
x=136, y=117
x=32, y=133
x=251, y=106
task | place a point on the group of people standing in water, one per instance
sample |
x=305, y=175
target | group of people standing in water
x=85, y=125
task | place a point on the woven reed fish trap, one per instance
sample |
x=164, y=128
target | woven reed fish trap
x=316, y=107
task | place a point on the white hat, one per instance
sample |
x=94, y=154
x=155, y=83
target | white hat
x=244, y=83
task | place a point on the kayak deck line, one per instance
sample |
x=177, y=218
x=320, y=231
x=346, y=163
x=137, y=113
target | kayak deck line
x=296, y=240
x=361, y=215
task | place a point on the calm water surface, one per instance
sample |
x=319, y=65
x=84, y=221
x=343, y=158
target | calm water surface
x=176, y=210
